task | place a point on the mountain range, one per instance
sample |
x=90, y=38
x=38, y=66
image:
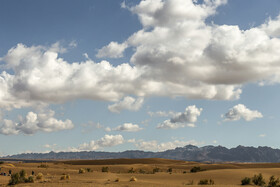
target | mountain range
x=188, y=153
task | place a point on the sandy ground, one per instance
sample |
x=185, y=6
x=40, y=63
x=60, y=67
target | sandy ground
x=224, y=174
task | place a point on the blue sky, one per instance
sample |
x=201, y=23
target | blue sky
x=118, y=75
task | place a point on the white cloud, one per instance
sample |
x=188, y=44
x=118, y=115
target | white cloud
x=262, y=135
x=176, y=53
x=241, y=111
x=112, y=50
x=128, y=103
x=34, y=122
x=50, y=146
x=129, y=127
x=106, y=141
x=184, y=119
x=155, y=146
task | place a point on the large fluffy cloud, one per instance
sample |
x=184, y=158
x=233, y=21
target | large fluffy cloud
x=186, y=118
x=175, y=54
x=241, y=111
x=34, y=122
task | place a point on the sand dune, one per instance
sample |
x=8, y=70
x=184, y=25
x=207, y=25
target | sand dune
x=223, y=174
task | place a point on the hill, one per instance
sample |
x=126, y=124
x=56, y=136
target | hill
x=187, y=153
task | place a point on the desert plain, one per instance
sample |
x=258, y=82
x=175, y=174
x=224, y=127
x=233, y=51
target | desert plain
x=145, y=172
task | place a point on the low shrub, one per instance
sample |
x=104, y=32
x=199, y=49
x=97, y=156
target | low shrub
x=82, y=170
x=155, y=170
x=246, y=181
x=273, y=182
x=105, y=169
x=64, y=177
x=169, y=170
x=117, y=180
x=42, y=165
x=39, y=176
x=89, y=170
x=206, y=182
x=196, y=169
x=131, y=170
x=258, y=180
x=132, y=179
x=20, y=178
x=142, y=171
x=1, y=162
x=203, y=182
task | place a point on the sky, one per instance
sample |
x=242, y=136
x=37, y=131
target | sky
x=153, y=75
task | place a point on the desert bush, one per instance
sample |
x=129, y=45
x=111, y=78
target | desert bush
x=169, y=170
x=273, y=182
x=20, y=178
x=39, y=176
x=1, y=162
x=258, y=180
x=184, y=172
x=82, y=170
x=131, y=170
x=190, y=182
x=246, y=181
x=117, y=180
x=133, y=179
x=30, y=179
x=196, y=169
x=42, y=165
x=105, y=169
x=206, y=182
x=203, y=182
x=15, y=179
x=142, y=171
x=64, y=177
x=89, y=170
x=155, y=170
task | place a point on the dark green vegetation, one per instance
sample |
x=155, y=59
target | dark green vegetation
x=20, y=178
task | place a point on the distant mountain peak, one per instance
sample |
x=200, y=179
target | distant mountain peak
x=188, y=153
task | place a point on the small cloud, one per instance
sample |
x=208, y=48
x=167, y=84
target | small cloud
x=106, y=141
x=241, y=111
x=128, y=103
x=131, y=140
x=155, y=146
x=184, y=119
x=215, y=141
x=112, y=50
x=128, y=127
x=262, y=135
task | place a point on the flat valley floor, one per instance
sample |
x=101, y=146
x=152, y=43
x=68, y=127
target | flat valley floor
x=120, y=172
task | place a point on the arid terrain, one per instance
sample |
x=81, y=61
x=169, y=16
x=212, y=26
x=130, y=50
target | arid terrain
x=148, y=172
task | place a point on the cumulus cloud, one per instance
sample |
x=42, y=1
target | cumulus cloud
x=112, y=50
x=34, y=122
x=155, y=146
x=106, y=141
x=186, y=118
x=128, y=127
x=241, y=111
x=176, y=53
x=128, y=103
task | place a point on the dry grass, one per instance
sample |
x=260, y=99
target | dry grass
x=224, y=174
